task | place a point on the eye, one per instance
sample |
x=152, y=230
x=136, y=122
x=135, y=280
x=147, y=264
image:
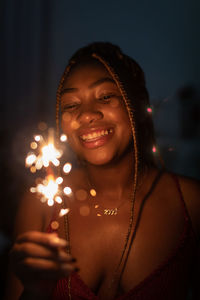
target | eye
x=69, y=107
x=106, y=98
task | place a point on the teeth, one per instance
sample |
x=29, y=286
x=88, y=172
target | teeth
x=94, y=135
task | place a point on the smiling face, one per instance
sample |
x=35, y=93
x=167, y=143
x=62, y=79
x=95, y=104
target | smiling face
x=94, y=116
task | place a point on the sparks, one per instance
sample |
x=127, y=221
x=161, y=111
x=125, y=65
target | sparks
x=46, y=152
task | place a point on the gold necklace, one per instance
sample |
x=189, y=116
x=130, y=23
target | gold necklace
x=114, y=211
x=109, y=211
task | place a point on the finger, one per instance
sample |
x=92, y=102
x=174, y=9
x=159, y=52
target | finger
x=47, y=239
x=23, y=250
x=43, y=269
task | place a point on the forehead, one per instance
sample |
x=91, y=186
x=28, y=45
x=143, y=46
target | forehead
x=86, y=73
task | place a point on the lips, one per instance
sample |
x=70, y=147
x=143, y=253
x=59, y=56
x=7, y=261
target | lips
x=93, y=138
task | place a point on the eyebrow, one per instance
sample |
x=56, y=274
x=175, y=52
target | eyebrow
x=94, y=84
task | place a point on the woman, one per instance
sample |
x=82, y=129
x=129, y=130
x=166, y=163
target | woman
x=136, y=236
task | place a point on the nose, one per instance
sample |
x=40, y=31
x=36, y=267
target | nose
x=89, y=115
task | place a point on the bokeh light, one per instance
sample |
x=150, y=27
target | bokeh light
x=81, y=195
x=67, y=190
x=67, y=168
x=63, y=138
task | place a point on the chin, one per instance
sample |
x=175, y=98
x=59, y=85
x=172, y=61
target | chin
x=101, y=158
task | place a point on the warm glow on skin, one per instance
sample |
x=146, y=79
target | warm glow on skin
x=94, y=103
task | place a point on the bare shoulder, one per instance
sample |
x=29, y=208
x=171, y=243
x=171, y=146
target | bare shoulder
x=190, y=188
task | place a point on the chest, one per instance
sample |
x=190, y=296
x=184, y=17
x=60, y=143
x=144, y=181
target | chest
x=97, y=242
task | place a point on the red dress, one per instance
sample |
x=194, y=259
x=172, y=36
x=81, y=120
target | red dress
x=169, y=281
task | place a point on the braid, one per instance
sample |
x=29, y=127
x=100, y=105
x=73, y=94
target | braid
x=130, y=81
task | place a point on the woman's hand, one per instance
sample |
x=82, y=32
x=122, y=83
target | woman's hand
x=38, y=258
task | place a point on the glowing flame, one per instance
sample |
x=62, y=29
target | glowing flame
x=43, y=153
x=50, y=154
x=46, y=153
x=48, y=190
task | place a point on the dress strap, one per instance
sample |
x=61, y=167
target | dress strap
x=185, y=210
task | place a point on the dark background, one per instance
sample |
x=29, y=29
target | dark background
x=37, y=39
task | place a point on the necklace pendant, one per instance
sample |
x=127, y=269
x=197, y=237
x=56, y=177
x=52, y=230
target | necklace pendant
x=110, y=212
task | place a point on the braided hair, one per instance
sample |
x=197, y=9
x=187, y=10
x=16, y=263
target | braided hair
x=130, y=79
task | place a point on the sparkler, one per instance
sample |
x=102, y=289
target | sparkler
x=44, y=154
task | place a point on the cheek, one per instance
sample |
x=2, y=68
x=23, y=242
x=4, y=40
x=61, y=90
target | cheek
x=65, y=121
x=68, y=123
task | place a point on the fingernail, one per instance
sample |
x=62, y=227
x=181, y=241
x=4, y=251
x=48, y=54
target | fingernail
x=76, y=269
x=74, y=260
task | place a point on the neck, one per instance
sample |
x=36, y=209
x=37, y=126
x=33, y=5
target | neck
x=113, y=178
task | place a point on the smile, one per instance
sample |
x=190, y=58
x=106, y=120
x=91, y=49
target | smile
x=95, y=135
